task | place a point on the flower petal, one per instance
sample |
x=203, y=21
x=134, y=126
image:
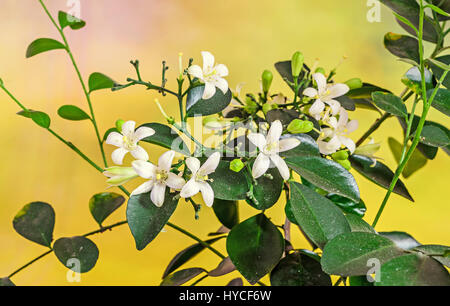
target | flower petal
x=210, y=164
x=222, y=84
x=118, y=155
x=128, y=128
x=174, y=181
x=310, y=92
x=281, y=165
x=288, y=144
x=115, y=139
x=193, y=164
x=196, y=72
x=139, y=153
x=209, y=92
x=258, y=140
x=317, y=108
x=208, y=60
x=352, y=126
x=190, y=189
x=145, y=169
x=275, y=131
x=158, y=194
x=207, y=193
x=222, y=70
x=347, y=142
x=329, y=147
x=261, y=165
x=143, y=132
x=165, y=160
x=321, y=82
x=338, y=90
x=146, y=187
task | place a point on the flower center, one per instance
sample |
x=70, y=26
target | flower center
x=161, y=176
x=129, y=143
x=201, y=178
x=210, y=75
x=271, y=147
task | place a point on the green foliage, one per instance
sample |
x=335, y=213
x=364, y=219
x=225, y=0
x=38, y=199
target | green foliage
x=43, y=45
x=227, y=212
x=72, y=112
x=402, y=46
x=415, y=163
x=347, y=205
x=79, y=254
x=66, y=20
x=196, y=106
x=167, y=138
x=6, y=282
x=267, y=190
x=104, y=204
x=441, y=101
x=180, y=277
x=98, y=81
x=227, y=184
x=40, y=118
x=390, y=103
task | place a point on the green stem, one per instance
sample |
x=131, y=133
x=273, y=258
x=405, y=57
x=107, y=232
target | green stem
x=30, y=263
x=373, y=128
x=408, y=129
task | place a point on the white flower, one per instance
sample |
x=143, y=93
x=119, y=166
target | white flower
x=337, y=134
x=128, y=142
x=270, y=146
x=325, y=93
x=119, y=175
x=159, y=177
x=212, y=76
x=198, y=182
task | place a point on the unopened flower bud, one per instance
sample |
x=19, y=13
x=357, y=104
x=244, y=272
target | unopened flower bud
x=320, y=70
x=354, y=83
x=345, y=163
x=119, y=124
x=250, y=106
x=119, y=175
x=297, y=63
x=340, y=155
x=300, y=126
x=236, y=165
x=267, y=78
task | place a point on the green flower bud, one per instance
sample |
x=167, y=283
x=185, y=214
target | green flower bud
x=236, y=165
x=119, y=175
x=119, y=124
x=267, y=78
x=297, y=63
x=300, y=126
x=345, y=163
x=354, y=83
x=340, y=155
x=250, y=106
x=207, y=120
x=320, y=70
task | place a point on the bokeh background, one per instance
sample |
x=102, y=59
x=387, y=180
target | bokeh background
x=247, y=36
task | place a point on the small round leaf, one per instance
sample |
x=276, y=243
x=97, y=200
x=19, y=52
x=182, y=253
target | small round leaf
x=79, y=254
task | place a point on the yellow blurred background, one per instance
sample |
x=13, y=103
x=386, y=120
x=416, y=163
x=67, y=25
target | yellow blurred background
x=247, y=36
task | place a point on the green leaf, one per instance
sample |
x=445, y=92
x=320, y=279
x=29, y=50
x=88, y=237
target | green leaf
x=109, y=131
x=390, y=103
x=167, y=138
x=99, y=81
x=36, y=221
x=227, y=212
x=413, y=270
x=438, y=72
x=427, y=151
x=66, y=20
x=285, y=116
x=438, y=252
x=227, y=184
x=347, y=205
x=40, y=118
x=284, y=68
x=145, y=219
x=357, y=224
x=364, y=92
x=223, y=268
x=444, y=5
x=236, y=282
x=79, y=254
x=180, y=277
x=72, y=112
x=413, y=80
x=104, y=204
x=416, y=162
x=441, y=101
x=401, y=239
x=316, y=215
x=325, y=174
x=439, y=64
x=43, y=45
x=307, y=147
x=196, y=106
x=255, y=246
x=360, y=281
x=6, y=282
x=434, y=136
x=437, y=10
x=348, y=254
x=187, y=254
x=267, y=191
x=379, y=173
x=402, y=46
x=366, y=104
x=297, y=269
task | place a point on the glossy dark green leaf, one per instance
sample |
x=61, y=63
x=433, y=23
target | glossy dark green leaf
x=360, y=281
x=347, y=103
x=227, y=212
x=401, y=239
x=442, y=4
x=416, y=162
x=402, y=46
x=366, y=104
x=40, y=118
x=289, y=213
x=441, y=101
x=72, y=112
x=379, y=173
x=284, y=68
x=365, y=92
x=427, y=151
x=99, y=81
x=390, y=103
x=438, y=252
x=109, y=131
x=66, y=20
x=410, y=10
x=348, y=254
x=347, y=205
x=187, y=254
x=104, y=204
x=43, y=45
x=180, y=277
x=319, y=218
x=196, y=106
x=284, y=115
x=267, y=191
x=145, y=219
x=297, y=269
x=255, y=247
x=79, y=254
x=227, y=184
x=438, y=72
x=434, y=136
x=6, y=282
x=307, y=146
x=413, y=80
x=167, y=138
x=224, y=267
x=36, y=221
x=413, y=270
x=357, y=224
x=325, y=174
